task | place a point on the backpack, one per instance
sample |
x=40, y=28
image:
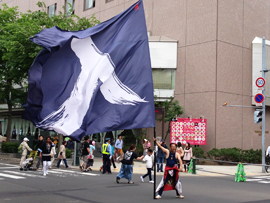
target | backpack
x=20, y=149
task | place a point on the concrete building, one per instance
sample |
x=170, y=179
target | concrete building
x=212, y=42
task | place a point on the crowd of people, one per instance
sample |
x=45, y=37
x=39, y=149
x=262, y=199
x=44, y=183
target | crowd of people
x=175, y=157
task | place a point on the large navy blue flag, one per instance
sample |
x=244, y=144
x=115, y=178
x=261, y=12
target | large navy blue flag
x=95, y=80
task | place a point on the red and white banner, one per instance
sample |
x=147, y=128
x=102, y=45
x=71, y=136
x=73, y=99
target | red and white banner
x=189, y=130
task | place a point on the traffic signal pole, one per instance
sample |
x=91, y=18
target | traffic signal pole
x=263, y=106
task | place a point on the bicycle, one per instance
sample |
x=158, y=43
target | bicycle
x=267, y=162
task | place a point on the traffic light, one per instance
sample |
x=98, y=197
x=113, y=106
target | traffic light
x=258, y=115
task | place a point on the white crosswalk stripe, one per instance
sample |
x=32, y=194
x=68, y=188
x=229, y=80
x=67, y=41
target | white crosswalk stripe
x=259, y=179
x=24, y=174
x=75, y=172
x=11, y=176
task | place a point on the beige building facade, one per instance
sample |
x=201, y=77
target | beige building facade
x=214, y=57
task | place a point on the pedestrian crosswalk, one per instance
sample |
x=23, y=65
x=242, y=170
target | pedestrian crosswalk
x=259, y=179
x=21, y=175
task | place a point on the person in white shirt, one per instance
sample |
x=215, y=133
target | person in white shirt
x=149, y=159
x=118, y=146
x=268, y=151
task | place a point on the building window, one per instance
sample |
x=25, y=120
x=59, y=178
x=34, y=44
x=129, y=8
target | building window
x=52, y=10
x=89, y=4
x=163, y=78
x=108, y=1
x=70, y=6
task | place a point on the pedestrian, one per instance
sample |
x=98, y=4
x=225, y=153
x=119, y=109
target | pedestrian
x=112, y=159
x=46, y=154
x=25, y=149
x=118, y=147
x=70, y=144
x=62, y=154
x=145, y=147
x=180, y=151
x=187, y=156
x=90, y=162
x=126, y=170
x=171, y=180
x=55, y=141
x=106, y=155
x=38, y=148
x=85, y=153
x=161, y=157
x=53, y=153
x=149, y=159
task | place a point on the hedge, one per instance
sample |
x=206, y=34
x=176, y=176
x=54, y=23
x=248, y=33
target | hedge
x=235, y=155
x=68, y=153
x=10, y=147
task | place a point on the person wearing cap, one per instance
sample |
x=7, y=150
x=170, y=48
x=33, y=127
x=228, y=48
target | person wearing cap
x=107, y=155
x=25, y=149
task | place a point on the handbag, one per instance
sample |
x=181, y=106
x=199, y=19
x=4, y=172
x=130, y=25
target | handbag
x=89, y=156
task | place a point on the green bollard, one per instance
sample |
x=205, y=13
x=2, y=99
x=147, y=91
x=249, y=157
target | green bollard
x=194, y=166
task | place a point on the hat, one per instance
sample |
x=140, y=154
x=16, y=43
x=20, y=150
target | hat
x=25, y=139
x=145, y=140
x=93, y=142
x=107, y=139
x=67, y=139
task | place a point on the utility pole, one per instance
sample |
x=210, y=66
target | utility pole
x=263, y=106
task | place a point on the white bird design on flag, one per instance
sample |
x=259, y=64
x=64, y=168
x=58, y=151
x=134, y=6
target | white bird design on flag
x=95, y=66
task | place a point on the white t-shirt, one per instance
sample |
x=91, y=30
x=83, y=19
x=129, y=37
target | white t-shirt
x=149, y=160
x=268, y=151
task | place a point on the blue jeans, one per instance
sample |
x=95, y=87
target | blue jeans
x=126, y=171
x=160, y=160
x=148, y=174
x=65, y=161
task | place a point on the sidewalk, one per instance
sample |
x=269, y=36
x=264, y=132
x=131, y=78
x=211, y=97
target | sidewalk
x=139, y=168
x=202, y=170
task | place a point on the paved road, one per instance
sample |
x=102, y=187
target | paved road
x=73, y=186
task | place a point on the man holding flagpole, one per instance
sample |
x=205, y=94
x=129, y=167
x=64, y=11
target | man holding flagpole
x=171, y=180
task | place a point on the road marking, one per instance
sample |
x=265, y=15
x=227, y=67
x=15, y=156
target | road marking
x=24, y=174
x=11, y=176
x=74, y=172
x=264, y=182
x=2, y=179
x=8, y=167
x=253, y=180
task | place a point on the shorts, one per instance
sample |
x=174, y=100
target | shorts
x=85, y=160
x=120, y=151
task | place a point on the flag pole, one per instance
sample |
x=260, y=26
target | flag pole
x=155, y=160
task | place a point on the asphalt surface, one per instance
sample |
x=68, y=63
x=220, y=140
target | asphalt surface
x=71, y=185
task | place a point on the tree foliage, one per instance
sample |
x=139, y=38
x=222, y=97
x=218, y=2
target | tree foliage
x=17, y=52
x=172, y=110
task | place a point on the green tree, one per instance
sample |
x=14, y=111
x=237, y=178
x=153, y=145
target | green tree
x=172, y=110
x=17, y=52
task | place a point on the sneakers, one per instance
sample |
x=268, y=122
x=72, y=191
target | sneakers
x=21, y=169
x=180, y=196
x=158, y=197
x=44, y=174
x=151, y=181
x=117, y=180
x=142, y=179
x=130, y=182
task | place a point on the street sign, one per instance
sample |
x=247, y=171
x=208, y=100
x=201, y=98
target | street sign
x=260, y=82
x=259, y=98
